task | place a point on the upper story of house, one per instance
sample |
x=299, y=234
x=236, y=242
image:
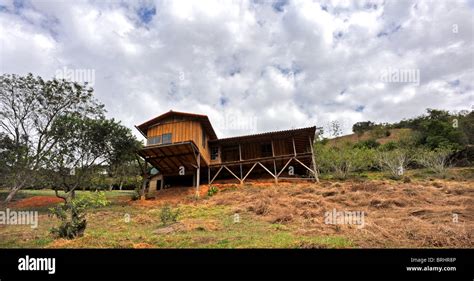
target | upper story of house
x=179, y=127
x=166, y=135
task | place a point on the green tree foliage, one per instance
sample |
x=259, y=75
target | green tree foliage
x=439, y=128
x=466, y=125
x=342, y=160
x=360, y=127
x=121, y=162
x=29, y=106
x=82, y=145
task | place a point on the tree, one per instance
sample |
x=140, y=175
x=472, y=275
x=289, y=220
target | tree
x=29, y=106
x=360, y=127
x=8, y=158
x=82, y=145
x=466, y=125
x=121, y=160
x=439, y=128
x=335, y=129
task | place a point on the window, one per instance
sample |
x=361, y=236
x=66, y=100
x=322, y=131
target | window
x=154, y=140
x=166, y=138
x=203, y=139
x=266, y=149
x=214, y=152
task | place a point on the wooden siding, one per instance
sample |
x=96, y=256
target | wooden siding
x=181, y=131
x=253, y=150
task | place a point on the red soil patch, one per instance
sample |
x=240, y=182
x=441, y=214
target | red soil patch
x=37, y=201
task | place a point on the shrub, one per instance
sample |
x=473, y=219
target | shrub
x=135, y=195
x=371, y=143
x=168, y=216
x=394, y=161
x=435, y=160
x=343, y=160
x=73, y=214
x=212, y=190
x=391, y=145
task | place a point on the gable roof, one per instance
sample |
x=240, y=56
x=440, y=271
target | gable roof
x=143, y=128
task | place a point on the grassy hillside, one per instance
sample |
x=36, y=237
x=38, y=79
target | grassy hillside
x=287, y=215
x=395, y=135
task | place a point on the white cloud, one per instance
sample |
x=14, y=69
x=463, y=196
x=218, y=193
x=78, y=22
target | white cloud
x=280, y=65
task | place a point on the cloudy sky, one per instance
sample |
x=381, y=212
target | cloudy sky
x=251, y=66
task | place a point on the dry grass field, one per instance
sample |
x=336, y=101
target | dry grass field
x=422, y=213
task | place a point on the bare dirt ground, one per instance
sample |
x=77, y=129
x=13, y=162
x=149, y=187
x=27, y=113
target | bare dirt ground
x=36, y=201
x=433, y=213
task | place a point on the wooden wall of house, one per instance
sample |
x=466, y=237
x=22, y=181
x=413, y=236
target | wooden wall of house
x=283, y=147
x=253, y=150
x=181, y=131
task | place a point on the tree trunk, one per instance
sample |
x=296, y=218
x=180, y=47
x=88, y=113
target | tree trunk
x=142, y=190
x=121, y=184
x=111, y=187
x=12, y=194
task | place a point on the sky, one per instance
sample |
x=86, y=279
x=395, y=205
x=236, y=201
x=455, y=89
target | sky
x=251, y=66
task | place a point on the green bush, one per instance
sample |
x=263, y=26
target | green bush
x=136, y=194
x=342, y=160
x=73, y=214
x=212, y=190
x=394, y=161
x=168, y=216
x=436, y=160
x=388, y=146
x=371, y=143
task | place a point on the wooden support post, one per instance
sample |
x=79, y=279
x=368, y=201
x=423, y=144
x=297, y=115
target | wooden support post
x=275, y=170
x=273, y=150
x=294, y=146
x=240, y=159
x=241, y=174
x=314, y=161
x=208, y=175
x=198, y=172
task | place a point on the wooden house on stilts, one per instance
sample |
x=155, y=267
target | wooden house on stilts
x=184, y=150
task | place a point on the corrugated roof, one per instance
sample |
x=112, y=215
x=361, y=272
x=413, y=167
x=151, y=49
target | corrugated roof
x=283, y=133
